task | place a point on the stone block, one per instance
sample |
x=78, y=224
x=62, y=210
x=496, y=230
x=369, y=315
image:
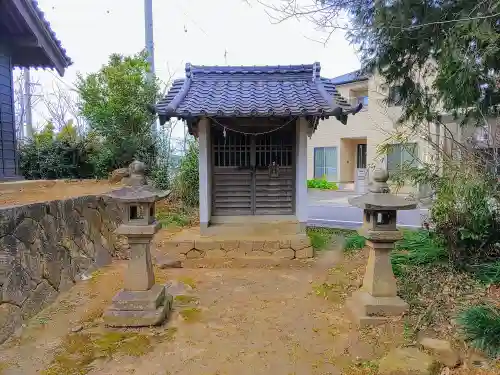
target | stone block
x=257, y=254
x=143, y=318
x=42, y=296
x=258, y=245
x=194, y=254
x=271, y=246
x=306, y=252
x=206, y=245
x=246, y=247
x=284, y=254
x=10, y=320
x=216, y=253
x=26, y=231
x=300, y=242
x=6, y=264
x=236, y=253
x=442, y=350
x=52, y=269
x=407, y=361
x=285, y=244
x=139, y=300
x=229, y=245
x=17, y=286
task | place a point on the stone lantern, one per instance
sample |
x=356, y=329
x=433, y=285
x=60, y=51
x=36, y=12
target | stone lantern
x=377, y=299
x=141, y=302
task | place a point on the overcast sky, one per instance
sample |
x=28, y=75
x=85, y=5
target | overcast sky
x=195, y=31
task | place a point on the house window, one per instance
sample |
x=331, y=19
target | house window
x=325, y=163
x=394, y=98
x=363, y=99
x=400, y=156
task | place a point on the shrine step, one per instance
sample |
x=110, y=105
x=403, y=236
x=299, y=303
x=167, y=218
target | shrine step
x=276, y=241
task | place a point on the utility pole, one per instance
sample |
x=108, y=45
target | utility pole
x=150, y=47
x=27, y=103
x=22, y=110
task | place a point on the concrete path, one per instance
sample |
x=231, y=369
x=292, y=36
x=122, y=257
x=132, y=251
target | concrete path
x=332, y=209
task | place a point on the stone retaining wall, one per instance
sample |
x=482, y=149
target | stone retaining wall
x=46, y=247
x=295, y=247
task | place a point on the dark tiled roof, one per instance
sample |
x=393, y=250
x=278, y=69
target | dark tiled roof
x=230, y=91
x=355, y=76
x=51, y=32
x=20, y=18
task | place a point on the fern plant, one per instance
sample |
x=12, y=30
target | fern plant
x=480, y=326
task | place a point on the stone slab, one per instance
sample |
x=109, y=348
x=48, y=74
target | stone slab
x=139, y=300
x=144, y=318
x=359, y=318
x=380, y=306
x=366, y=310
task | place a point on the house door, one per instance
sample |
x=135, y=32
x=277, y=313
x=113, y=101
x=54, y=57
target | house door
x=361, y=172
x=253, y=174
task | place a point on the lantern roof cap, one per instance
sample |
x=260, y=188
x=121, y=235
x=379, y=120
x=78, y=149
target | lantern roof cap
x=379, y=196
x=138, y=194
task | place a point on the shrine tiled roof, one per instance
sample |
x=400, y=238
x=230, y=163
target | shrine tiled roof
x=256, y=91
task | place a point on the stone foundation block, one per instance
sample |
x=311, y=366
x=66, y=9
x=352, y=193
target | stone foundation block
x=300, y=242
x=139, y=300
x=217, y=253
x=368, y=310
x=284, y=254
x=307, y=252
x=195, y=254
x=139, y=318
x=229, y=245
x=206, y=245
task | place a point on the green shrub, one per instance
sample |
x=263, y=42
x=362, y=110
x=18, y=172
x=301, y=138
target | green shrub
x=173, y=218
x=55, y=159
x=480, y=326
x=321, y=183
x=187, y=183
x=466, y=206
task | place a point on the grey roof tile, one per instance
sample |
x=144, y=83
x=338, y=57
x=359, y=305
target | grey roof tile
x=253, y=91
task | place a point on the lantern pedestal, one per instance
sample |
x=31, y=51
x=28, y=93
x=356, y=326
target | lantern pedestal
x=377, y=300
x=132, y=308
x=141, y=302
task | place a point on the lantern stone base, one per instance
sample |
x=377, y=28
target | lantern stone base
x=367, y=310
x=139, y=308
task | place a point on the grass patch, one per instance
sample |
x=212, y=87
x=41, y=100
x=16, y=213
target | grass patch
x=174, y=217
x=354, y=242
x=3, y=367
x=325, y=238
x=487, y=273
x=78, y=351
x=480, y=326
x=184, y=300
x=191, y=314
x=417, y=248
